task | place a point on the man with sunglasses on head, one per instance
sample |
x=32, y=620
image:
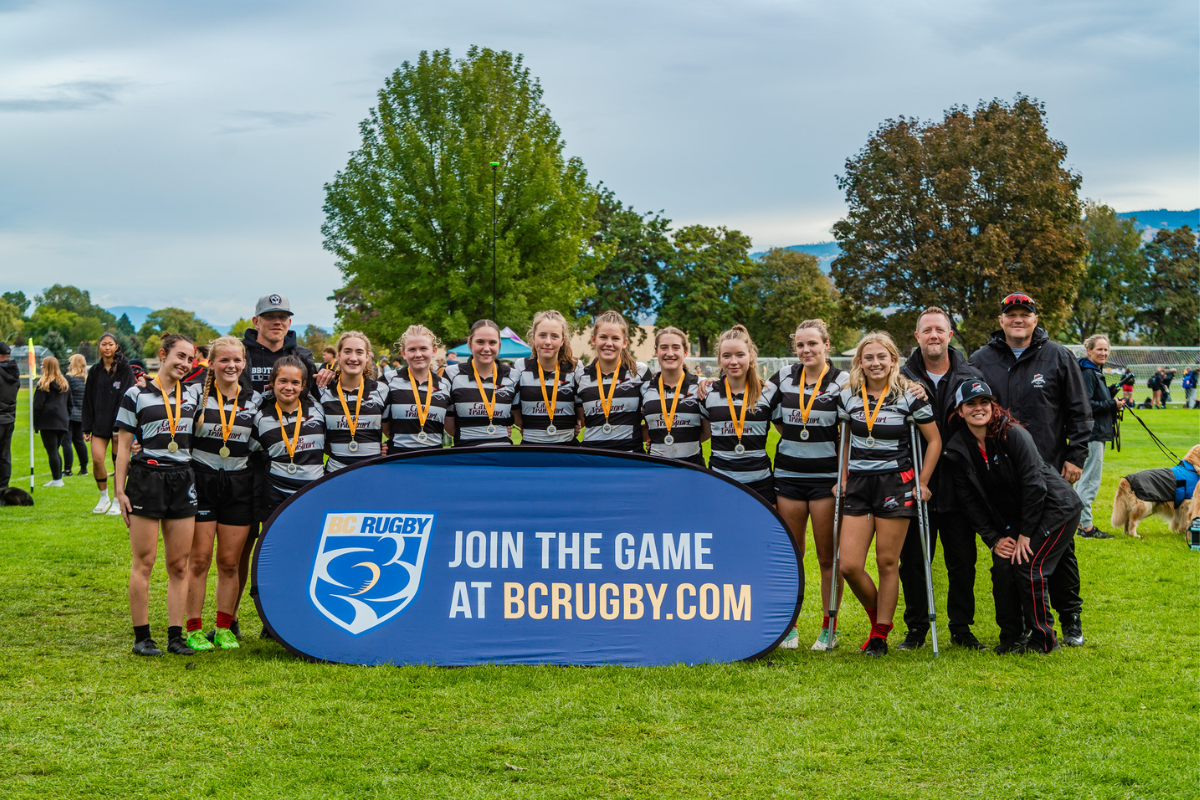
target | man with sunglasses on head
x=1040, y=382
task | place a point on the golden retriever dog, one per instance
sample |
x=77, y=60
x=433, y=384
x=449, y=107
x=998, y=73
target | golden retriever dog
x=1129, y=510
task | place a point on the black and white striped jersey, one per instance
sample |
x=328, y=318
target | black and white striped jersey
x=309, y=458
x=687, y=426
x=812, y=456
x=368, y=433
x=403, y=418
x=535, y=417
x=891, y=450
x=207, y=444
x=625, y=413
x=753, y=464
x=142, y=413
x=469, y=410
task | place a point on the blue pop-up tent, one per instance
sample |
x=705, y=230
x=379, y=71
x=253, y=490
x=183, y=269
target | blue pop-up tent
x=511, y=347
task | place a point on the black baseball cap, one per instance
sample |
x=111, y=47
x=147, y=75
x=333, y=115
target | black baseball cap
x=970, y=389
x=4, y=349
x=1018, y=300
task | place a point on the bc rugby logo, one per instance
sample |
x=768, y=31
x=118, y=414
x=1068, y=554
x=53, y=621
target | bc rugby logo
x=368, y=567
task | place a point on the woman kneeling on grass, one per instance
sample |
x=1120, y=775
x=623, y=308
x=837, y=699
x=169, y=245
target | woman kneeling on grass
x=1023, y=509
x=156, y=488
x=224, y=489
x=881, y=487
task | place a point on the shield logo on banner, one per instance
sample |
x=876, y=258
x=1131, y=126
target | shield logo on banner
x=368, y=567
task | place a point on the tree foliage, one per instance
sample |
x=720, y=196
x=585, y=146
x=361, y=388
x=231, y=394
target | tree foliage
x=786, y=288
x=1116, y=273
x=124, y=325
x=959, y=213
x=10, y=320
x=74, y=299
x=638, y=245
x=701, y=288
x=238, y=328
x=1171, y=302
x=57, y=345
x=410, y=216
x=48, y=318
x=18, y=300
x=175, y=320
x=316, y=339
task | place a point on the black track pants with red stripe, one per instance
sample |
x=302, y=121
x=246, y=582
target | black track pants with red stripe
x=1021, y=591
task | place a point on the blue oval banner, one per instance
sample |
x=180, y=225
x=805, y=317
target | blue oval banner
x=527, y=555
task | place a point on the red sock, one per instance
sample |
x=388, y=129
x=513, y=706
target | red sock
x=871, y=616
x=824, y=622
x=224, y=619
x=194, y=624
x=881, y=629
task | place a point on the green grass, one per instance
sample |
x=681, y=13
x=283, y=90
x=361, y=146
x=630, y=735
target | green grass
x=81, y=717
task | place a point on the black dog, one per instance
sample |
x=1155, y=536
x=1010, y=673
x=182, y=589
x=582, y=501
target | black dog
x=12, y=496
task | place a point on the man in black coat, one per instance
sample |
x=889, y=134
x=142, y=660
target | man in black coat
x=940, y=369
x=272, y=337
x=1105, y=405
x=1040, y=383
x=10, y=384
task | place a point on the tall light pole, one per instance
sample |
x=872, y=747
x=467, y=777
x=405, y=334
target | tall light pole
x=495, y=165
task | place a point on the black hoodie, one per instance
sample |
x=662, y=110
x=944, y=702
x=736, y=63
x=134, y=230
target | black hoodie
x=1044, y=390
x=260, y=361
x=102, y=395
x=942, y=401
x=10, y=384
x=1101, y=399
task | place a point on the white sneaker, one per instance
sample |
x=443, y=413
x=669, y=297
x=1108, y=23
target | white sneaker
x=792, y=642
x=101, y=505
x=54, y=483
x=115, y=509
x=822, y=642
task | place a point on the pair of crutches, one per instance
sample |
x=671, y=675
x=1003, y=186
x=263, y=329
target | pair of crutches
x=922, y=523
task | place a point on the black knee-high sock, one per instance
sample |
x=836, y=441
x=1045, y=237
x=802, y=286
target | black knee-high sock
x=141, y=633
x=174, y=632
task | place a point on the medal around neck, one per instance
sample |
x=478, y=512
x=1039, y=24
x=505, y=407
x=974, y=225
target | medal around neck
x=668, y=439
x=353, y=446
x=551, y=429
x=224, y=451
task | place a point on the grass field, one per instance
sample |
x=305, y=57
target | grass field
x=82, y=717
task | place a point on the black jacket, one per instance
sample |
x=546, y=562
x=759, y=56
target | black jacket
x=78, y=387
x=52, y=409
x=260, y=361
x=10, y=384
x=102, y=398
x=1102, y=401
x=1033, y=492
x=1044, y=390
x=942, y=400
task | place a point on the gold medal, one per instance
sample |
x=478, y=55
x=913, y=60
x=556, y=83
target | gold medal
x=172, y=420
x=290, y=444
x=606, y=403
x=422, y=410
x=806, y=407
x=172, y=446
x=226, y=426
x=739, y=421
x=869, y=415
x=552, y=401
x=490, y=407
x=352, y=422
x=669, y=416
x=223, y=452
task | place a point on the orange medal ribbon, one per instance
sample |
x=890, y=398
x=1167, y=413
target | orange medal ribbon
x=806, y=407
x=739, y=422
x=871, y=415
x=669, y=418
x=491, y=407
x=226, y=426
x=295, y=440
x=612, y=389
x=551, y=402
x=172, y=420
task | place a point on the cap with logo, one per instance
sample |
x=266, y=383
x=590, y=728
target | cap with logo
x=272, y=302
x=1018, y=300
x=970, y=389
x=4, y=349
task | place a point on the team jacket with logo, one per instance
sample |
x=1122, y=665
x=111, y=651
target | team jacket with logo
x=814, y=458
x=535, y=416
x=754, y=464
x=404, y=421
x=624, y=418
x=207, y=443
x=369, y=430
x=102, y=395
x=143, y=414
x=687, y=426
x=309, y=453
x=892, y=448
x=469, y=410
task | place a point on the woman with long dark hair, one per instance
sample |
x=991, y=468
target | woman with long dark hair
x=107, y=382
x=482, y=391
x=1022, y=508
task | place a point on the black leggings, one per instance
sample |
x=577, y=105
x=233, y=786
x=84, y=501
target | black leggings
x=81, y=449
x=52, y=440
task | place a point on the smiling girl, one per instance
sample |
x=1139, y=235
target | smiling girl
x=610, y=389
x=671, y=413
x=290, y=431
x=546, y=383
x=481, y=391
x=107, y=382
x=353, y=405
x=417, y=396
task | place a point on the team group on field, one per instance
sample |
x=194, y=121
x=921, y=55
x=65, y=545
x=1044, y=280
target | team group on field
x=205, y=455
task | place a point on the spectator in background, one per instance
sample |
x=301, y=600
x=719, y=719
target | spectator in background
x=328, y=357
x=1104, y=416
x=1189, y=387
x=52, y=414
x=1127, y=380
x=1168, y=375
x=1154, y=383
x=77, y=379
x=10, y=384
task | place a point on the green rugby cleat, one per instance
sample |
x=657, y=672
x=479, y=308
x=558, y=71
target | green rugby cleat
x=225, y=639
x=792, y=641
x=822, y=642
x=198, y=641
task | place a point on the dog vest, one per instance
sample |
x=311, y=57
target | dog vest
x=1166, y=485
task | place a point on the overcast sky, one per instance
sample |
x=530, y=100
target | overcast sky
x=175, y=153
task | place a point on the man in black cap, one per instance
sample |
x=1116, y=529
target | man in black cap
x=10, y=384
x=940, y=369
x=1040, y=383
x=272, y=337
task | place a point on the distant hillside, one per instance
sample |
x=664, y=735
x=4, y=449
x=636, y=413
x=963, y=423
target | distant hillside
x=138, y=314
x=825, y=252
x=1149, y=222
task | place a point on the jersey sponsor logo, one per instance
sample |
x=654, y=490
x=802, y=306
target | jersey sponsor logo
x=368, y=567
x=1038, y=381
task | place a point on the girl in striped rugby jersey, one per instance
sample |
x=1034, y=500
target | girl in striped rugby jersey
x=806, y=415
x=417, y=396
x=353, y=405
x=481, y=391
x=610, y=389
x=738, y=410
x=221, y=452
x=290, y=429
x=881, y=484
x=672, y=422
x=546, y=383
x=157, y=490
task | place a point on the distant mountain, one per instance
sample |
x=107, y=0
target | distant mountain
x=825, y=252
x=1162, y=219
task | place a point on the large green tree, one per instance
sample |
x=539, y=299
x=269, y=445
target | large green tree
x=176, y=320
x=74, y=299
x=410, y=216
x=48, y=318
x=959, y=213
x=786, y=288
x=702, y=284
x=1170, y=312
x=639, y=245
x=1116, y=275
x=18, y=300
x=10, y=321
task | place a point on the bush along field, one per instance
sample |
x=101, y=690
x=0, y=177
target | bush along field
x=82, y=717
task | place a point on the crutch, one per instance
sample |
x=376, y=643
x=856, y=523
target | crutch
x=923, y=524
x=835, y=580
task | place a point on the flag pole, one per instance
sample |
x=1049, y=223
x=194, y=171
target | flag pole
x=32, y=361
